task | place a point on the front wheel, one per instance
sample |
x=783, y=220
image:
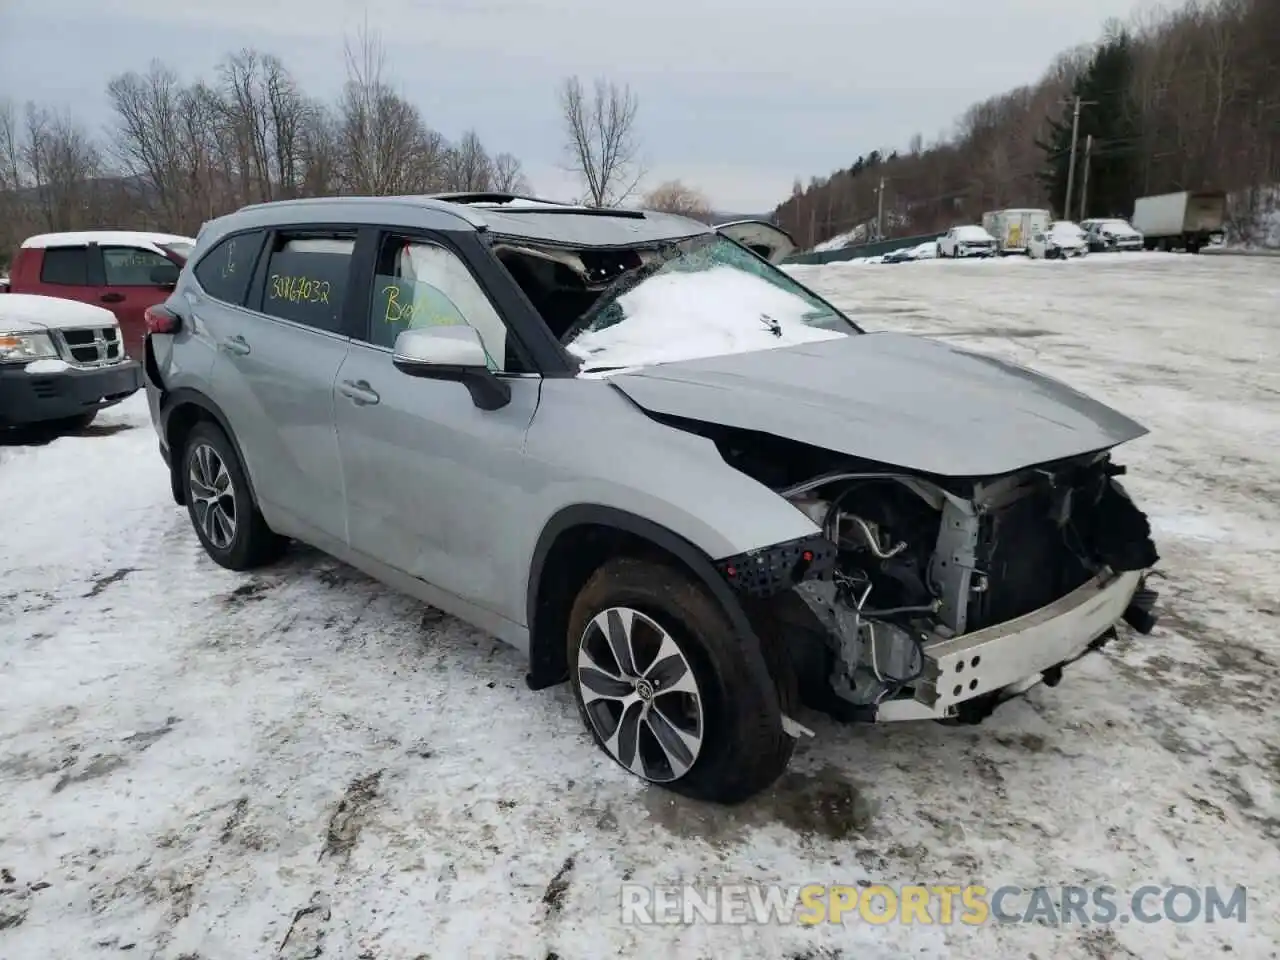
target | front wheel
x=663, y=683
x=80, y=421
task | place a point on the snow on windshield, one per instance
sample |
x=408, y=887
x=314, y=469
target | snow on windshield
x=972, y=233
x=682, y=314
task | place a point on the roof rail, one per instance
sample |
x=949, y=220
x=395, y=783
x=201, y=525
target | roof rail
x=490, y=196
x=537, y=205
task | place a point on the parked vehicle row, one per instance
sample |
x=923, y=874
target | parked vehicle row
x=72, y=321
x=1048, y=239
x=1189, y=220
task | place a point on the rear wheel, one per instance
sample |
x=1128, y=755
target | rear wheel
x=222, y=510
x=660, y=678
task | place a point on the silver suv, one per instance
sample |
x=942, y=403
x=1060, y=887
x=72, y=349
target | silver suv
x=633, y=448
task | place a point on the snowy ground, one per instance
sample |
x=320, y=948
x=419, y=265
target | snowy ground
x=195, y=763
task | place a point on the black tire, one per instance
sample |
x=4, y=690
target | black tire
x=744, y=748
x=253, y=543
x=79, y=422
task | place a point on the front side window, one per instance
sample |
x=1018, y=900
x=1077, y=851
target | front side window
x=131, y=266
x=65, y=266
x=420, y=284
x=701, y=297
x=306, y=279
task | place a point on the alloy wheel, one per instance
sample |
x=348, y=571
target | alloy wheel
x=213, y=496
x=640, y=694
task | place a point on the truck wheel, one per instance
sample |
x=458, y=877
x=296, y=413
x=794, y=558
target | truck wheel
x=659, y=676
x=222, y=510
x=78, y=422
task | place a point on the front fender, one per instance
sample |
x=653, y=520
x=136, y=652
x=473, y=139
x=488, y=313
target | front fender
x=589, y=444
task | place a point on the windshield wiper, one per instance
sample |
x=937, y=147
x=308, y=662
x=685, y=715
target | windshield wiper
x=771, y=324
x=604, y=369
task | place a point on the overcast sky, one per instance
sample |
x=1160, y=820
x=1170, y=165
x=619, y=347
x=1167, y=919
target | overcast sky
x=738, y=98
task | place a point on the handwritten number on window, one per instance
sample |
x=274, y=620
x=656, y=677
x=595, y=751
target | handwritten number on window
x=297, y=289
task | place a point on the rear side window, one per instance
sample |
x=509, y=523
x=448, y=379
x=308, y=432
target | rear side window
x=225, y=271
x=306, y=279
x=65, y=266
x=131, y=266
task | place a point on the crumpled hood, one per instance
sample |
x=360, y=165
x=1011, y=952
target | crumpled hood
x=903, y=401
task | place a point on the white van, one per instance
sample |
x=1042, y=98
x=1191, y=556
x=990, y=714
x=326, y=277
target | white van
x=1013, y=229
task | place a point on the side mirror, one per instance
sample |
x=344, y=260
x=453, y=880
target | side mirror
x=165, y=275
x=451, y=353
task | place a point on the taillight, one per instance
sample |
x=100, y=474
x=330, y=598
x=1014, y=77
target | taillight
x=160, y=319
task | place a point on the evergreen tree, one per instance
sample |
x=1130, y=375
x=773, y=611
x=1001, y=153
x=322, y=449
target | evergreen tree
x=1107, y=116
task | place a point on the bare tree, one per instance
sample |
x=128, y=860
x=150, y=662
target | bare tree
x=62, y=162
x=508, y=174
x=319, y=152
x=673, y=196
x=601, y=139
x=263, y=114
x=10, y=149
x=469, y=167
x=385, y=148
x=149, y=137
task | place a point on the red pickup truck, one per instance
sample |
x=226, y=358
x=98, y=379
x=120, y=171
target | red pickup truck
x=121, y=270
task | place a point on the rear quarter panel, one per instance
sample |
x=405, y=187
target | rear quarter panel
x=183, y=360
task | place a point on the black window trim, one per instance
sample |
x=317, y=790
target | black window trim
x=347, y=322
x=447, y=240
x=549, y=357
x=253, y=269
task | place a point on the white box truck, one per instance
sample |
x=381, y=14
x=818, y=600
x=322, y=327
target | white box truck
x=1189, y=220
x=1013, y=229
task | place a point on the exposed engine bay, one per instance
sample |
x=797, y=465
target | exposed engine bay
x=921, y=564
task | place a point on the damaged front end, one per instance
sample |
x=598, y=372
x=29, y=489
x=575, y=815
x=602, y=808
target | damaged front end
x=940, y=599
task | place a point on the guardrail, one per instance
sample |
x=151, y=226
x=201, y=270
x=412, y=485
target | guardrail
x=861, y=250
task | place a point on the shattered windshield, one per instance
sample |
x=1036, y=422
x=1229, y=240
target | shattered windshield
x=701, y=297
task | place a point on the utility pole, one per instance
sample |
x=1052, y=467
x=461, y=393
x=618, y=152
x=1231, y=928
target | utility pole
x=1084, y=186
x=880, y=210
x=1071, y=169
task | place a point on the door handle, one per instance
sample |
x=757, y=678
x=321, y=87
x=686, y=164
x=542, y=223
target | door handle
x=237, y=345
x=112, y=297
x=359, y=391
